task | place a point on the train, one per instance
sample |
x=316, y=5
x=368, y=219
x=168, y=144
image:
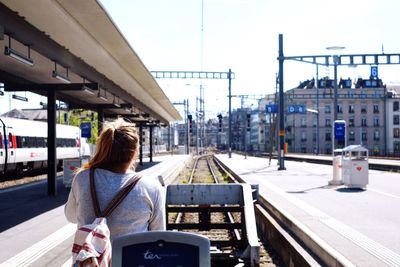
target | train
x=24, y=145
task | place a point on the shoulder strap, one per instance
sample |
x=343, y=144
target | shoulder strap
x=95, y=201
x=117, y=199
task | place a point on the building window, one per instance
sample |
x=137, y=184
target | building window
x=396, y=146
x=396, y=119
x=363, y=108
x=396, y=132
x=351, y=122
x=303, y=122
x=327, y=109
x=303, y=137
x=327, y=122
x=328, y=136
x=376, y=121
x=315, y=122
x=351, y=108
x=314, y=136
x=376, y=135
x=352, y=136
x=396, y=106
x=339, y=108
x=364, y=136
x=363, y=121
x=376, y=108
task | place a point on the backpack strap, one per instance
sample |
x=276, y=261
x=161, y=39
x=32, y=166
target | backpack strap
x=117, y=199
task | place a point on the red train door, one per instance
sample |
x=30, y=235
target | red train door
x=12, y=145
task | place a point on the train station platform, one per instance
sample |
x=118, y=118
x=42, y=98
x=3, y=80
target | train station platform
x=33, y=229
x=359, y=227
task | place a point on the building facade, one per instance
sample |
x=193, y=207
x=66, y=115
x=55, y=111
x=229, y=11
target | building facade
x=362, y=108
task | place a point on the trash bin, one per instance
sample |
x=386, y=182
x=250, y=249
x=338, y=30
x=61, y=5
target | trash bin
x=355, y=166
x=70, y=166
x=337, y=163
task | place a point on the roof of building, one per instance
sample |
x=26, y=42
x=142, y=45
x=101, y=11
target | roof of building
x=85, y=29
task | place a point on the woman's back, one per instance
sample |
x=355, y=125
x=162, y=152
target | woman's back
x=141, y=210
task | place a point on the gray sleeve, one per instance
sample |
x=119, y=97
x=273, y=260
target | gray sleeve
x=157, y=220
x=71, y=206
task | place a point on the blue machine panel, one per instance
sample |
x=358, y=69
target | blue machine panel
x=339, y=130
x=86, y=129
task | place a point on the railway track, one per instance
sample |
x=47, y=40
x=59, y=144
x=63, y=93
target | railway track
x=223, y=225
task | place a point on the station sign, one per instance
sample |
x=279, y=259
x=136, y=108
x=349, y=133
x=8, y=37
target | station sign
x=339, y=130
x=296, y=109
x=374, y=72
x=86, y=129
x=272, y=108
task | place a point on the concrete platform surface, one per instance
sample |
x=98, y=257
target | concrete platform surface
x=362, y=225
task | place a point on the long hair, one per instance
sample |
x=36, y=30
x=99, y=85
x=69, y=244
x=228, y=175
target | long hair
x=117, y=146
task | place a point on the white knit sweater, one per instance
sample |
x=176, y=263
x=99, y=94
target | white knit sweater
x=142, y=210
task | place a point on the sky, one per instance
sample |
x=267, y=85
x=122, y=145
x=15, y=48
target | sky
x=242, y=35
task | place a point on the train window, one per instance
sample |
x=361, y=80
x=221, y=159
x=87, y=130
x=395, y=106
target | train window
x=29, y=142
x=71, y=142
x=19, y=141
x=10, y=144
x=1, y=140
x=40, y=142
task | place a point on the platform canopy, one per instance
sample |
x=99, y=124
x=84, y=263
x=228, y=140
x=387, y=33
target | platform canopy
x=78, y=40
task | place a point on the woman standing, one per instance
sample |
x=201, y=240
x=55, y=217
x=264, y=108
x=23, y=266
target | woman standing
x=142, y=209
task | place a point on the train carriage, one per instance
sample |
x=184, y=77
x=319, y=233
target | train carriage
x=24, y=144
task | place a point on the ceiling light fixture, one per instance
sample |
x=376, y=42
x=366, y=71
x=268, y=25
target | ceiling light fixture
x=103, y=97
x=61, y=77
x=18, y=97
x=87, y=90
x=116, y=103
x=8, y=51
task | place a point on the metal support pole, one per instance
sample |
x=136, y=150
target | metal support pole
x=230, y=115
x=169, y=137
x=385, y=121
x=245, y=140
x=151, y=143
x=100, y=119
x=281, y=108
x=316, y=86
x=197, y=126
x=51, y=144
x=140, y=144
x=187, y=127
x=335, y=96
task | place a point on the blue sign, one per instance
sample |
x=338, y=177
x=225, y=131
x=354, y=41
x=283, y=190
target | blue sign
x=374, y=72
x=272, y=108
x=86, y=129
x=339, y=130
x=296, y=109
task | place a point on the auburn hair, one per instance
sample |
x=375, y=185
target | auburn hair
x=117, y=145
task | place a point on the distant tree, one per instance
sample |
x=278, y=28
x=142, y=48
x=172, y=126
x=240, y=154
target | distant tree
x=77, y=116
